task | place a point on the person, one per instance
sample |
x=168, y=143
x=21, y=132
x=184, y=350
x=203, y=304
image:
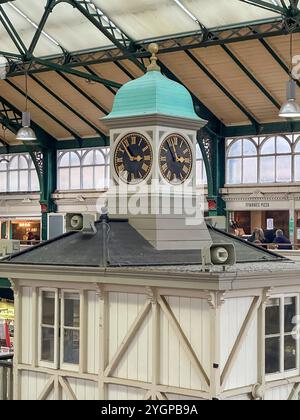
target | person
x=282, y=241
x=258, y=237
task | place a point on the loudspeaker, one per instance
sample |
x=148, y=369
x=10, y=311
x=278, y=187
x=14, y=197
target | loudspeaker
x=219, y=254
x=77, y=221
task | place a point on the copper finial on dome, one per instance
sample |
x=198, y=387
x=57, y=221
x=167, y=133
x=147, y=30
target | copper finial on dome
x=153, y=48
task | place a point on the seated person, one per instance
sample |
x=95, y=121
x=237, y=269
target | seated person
x=258, y=237
x=283, y=242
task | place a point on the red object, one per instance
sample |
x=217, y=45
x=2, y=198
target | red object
x=44, y=208
x=212, y=205
x=4, y=334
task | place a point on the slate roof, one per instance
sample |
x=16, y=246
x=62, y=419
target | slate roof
x=125, y=248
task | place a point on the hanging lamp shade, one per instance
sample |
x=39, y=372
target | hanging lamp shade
x=290, y=109
x=26, y=133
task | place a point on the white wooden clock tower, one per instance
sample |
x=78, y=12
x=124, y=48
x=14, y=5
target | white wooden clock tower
x=153, y=134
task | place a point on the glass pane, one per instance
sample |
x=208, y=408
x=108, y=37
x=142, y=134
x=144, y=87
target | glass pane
x=14, y=163
x=297, y=147
x=235, y=149
x=65, y=160
x=250, y=171
x=74, y=159
x=101, y=182
x=284, y=168
x=14, y=181
x=234, y=171
x=297, y=168
x=3, y=182
x=88, y=178
x=290, y=353
x=24, y=178
x=75, y=179
x=268, y=148
x=71, y=346
x=267, y=169
x=71, y=310
x=64, y=181
x=23, y=164
x=99, y=158
x=35, y=185
x=249, y=148
x=198, y=152
x=273, y=355
x=273, y=317
x=289, y=314
x=48, y=308
x=283, y=146
x=89, y=158
x=48, y=344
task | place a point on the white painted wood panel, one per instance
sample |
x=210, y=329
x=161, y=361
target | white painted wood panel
x=233, y=314
x=32, y=384
x=26, y=325
x=93, y=330
x=136, y=363
x=193, y=316
x=116, y=392
x=280, y=393
x=84, y=389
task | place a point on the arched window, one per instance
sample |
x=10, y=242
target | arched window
x=18, y=174
x=275, y=160
x=242, y=162
x=83, y=169
x=201, y=175
x=297, y=161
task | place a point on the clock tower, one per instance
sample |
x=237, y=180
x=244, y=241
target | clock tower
x=153, y=136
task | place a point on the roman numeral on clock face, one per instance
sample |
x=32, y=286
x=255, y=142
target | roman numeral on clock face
x=175, y=159
x=133, y=158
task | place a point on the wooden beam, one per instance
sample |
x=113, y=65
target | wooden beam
x=47, y=389
x=67, y=388
x=294, y=395
x=184, y=341
x=240, y=340
x=128, y=338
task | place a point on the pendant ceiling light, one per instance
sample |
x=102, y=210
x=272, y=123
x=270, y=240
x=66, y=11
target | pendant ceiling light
x=26, y=133
x=290, y=109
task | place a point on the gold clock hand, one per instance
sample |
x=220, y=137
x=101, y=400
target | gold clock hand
x=175, y=151
x=129, y=155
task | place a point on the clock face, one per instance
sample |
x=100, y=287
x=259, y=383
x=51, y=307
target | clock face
x=175, y=159
x=133, y=158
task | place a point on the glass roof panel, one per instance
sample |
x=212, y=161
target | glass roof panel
x=140, y=19
x=17, y=12
x=143, y=19
x=214, y=13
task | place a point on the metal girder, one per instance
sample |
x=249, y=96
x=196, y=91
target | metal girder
x=234, y=100
x=12, y=32
x=105, y=25
x=238, y=33
x=265, y=129
x=48, y=10
x=266, y=5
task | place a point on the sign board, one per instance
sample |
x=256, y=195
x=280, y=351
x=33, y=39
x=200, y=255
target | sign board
x=270, y=224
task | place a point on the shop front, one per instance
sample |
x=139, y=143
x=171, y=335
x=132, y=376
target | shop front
x=25, y=230
x=266, y=210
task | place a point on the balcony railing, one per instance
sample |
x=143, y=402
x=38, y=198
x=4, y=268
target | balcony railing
x=6, y=377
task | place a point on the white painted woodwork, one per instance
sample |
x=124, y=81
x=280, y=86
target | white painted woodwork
x=233, y=314
x=26, y=330
x=279, y=393
x=93, y=333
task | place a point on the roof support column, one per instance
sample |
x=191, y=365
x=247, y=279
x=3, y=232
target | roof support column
x=213, y=150
x=47, y=163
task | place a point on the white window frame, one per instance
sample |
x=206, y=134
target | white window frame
x=82, y=153
x=44, y=363
x=259, y=142
x=63, y=365
x=291, y=373
x=30, y=170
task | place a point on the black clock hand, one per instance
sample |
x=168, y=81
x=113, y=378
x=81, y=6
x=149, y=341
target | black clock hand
x=172, y=153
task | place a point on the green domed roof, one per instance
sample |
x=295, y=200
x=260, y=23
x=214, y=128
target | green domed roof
x=150, y=94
